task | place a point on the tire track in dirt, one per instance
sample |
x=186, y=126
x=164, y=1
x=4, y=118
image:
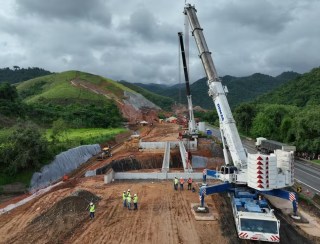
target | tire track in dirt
x=171, y=202
x=190, y=218
x=175, y=216
x=186, y=222
x=150, y=214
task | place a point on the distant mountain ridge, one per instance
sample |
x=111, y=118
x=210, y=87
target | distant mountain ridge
x=241, y=89
x=301, y=91
x=18, y=74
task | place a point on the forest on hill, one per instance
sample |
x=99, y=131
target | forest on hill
x=18, y=74
x=289, y=114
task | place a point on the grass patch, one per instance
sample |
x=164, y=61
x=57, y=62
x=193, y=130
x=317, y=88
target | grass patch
x=316, y=161
x=86, y=135
x=4, y=133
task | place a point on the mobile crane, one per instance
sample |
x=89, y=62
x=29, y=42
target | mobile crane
x=248, y=176
x=192, y=127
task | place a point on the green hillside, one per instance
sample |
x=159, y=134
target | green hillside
x=58, y=86
x=50, y=114
x=81, y=99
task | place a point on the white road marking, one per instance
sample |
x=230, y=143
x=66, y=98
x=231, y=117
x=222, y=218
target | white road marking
x=307, y=185
x=306, y=173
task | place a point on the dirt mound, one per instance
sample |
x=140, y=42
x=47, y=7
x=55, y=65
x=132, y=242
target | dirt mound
x=60, y=221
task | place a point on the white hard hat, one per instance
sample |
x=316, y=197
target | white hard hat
x=135, y=194
x=128, y=189
x=91, y=203
x=124, y=191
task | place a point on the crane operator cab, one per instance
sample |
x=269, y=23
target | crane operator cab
x=228, y=173
x=228, y=169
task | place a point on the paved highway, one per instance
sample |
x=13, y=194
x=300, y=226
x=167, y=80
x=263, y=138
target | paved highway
x=306, y=173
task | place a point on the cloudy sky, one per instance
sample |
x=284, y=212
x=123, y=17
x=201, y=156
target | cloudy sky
x=137, y=40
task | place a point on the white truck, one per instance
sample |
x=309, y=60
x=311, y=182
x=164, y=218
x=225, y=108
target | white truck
x=269, y=146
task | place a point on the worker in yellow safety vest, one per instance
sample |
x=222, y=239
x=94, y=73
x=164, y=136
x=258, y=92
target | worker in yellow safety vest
x=124, y=198
x=175, y=183
x=129, y=201
x=92, y=209
x=135, y=202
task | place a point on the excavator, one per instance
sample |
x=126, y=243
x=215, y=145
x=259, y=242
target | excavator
x=106, y=152
x=247, y=178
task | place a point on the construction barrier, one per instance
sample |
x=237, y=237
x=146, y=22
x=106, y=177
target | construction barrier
x=192, y=145
x=155, y=176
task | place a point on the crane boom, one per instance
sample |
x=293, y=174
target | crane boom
x=192, y=124
x=228, y=127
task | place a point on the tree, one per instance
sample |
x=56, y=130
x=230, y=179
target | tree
x=307, y=129
x=59, y=128
x=8, y=92
x=244, y=115
x=269, y=121
x=26, y=148
x=262, y=125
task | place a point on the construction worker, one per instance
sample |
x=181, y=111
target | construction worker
x=124, y=198
x=129, y=201
x=181, y=183
x=92, y=209
x=135, y=202
x=189, y=183
x=128, y=193
x=175, y=183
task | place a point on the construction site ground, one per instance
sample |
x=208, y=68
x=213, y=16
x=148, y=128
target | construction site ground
x=163, y=216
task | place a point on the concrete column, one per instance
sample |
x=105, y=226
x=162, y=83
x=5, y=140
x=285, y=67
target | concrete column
x=166, y=158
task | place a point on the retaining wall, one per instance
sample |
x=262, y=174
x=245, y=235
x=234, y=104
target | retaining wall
x=63, y=163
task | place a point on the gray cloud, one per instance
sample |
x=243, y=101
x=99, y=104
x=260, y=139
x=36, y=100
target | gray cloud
x=138, y=41
x=73, y=10
x=263, y=16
